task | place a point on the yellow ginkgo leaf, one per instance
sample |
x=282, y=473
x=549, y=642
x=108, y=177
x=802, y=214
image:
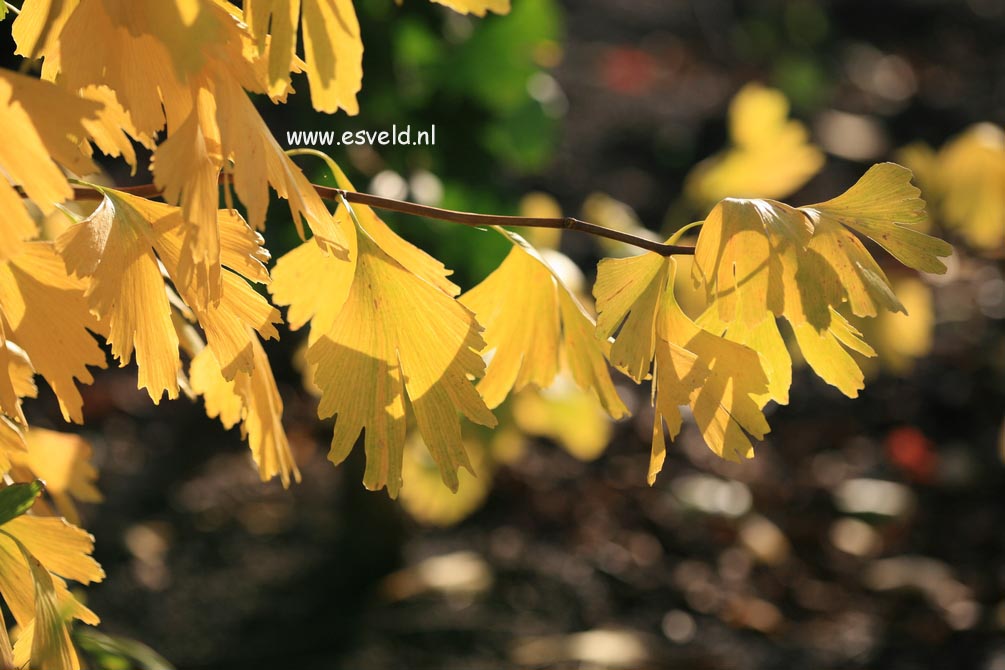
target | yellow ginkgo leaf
x=764, y=338
x=38, y=122
x=723, y=381
x=628, y=293
x=738, y=256
x=827, y=352
x=333, y=49
x=532, y=322
x=477, y=7
x=61, y=550
x=47, y=314
x=770, y=156
x=231, y=323
x=114, y=249
x=423, y=495
x=51, y=647
x=121, y=246
x=884, y=206
x=252, y=399
x=63, y=462
x=756, y=256
x=567, y=414
x=970, y=179
x=400, y=336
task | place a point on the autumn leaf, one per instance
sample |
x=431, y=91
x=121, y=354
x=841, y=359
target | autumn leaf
x=532, y=323
x=966, y=178
x=333, y=50
x=721, y=381
x=35, y=554
x=47, y=315
x=63, y=461
x=884, y=206
x=375, y=335
x=770, y=154
x=113, y=248
x=628, y=293
x=38, y=124
x=759, y=258
x=252, y=399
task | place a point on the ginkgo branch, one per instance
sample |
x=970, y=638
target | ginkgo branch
x=440, y=214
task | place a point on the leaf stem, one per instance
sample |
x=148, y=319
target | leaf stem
x=440, y=214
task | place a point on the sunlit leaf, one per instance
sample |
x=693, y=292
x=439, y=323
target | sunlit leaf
x=38, y=124
x=770, y=156
x=120, y=248
x=398, y=335
x=884, y=206
x=532, y=322
x=333, y=50
x=970, y=182
x=63, y=461
x=48, y=317
x=721, y=380
x=252, y=399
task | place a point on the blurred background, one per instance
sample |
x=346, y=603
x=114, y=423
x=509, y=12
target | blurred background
x=867, y=533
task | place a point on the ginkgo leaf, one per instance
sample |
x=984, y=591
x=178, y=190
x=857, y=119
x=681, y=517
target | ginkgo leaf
x=770, y=155
x=333, y=49
x=628, y=293
x=113, y=248
x=827, y=353
x=719, y=380
x=63, y=461
x=51, y=647
x=38, y=122
x=531, y=323
x=969, y=179
x=380, y=336
x=231, y=323
x=47, y=314
x=62, y=550
x=186, y=64
x=764, y=338
x=477, y=7
x=801, y=262
x=883, y=205
x=252, y=399
x=121, y=246
x=737, y=256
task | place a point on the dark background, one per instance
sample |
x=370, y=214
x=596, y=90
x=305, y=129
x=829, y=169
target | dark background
x=579, y=564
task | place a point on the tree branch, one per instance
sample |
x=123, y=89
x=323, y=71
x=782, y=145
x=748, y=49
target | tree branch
x=440, y=214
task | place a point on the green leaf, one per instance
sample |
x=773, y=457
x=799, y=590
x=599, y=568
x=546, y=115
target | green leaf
x=17, y=499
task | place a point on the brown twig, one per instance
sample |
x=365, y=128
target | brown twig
x=440, y=214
